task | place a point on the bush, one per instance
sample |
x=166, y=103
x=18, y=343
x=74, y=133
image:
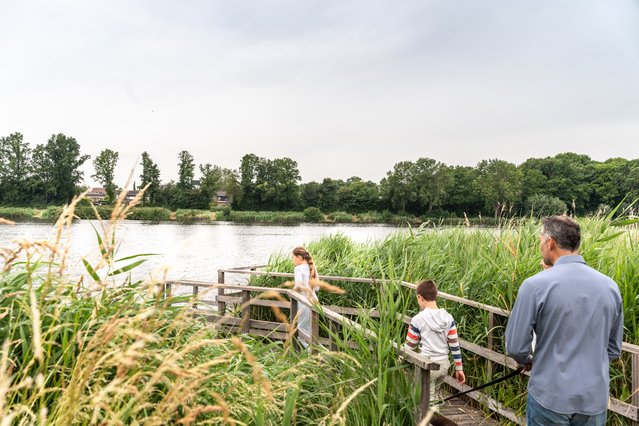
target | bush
x=370, y=217
x=87, y=212
x=192, y=215
x=545, y=205
x=52, y=213
x=313, y=214
x=16, y=213
x=341, y=217
x=149, y=213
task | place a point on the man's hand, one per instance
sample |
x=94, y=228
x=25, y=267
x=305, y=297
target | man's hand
x=461, y=377
x=526, y=367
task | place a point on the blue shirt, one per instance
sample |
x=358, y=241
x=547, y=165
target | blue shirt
x=577, y=315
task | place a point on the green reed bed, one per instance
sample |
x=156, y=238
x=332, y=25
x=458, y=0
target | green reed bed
x=106, y=350
x=193, y=215
x=17, y=213
x=484, y=265
x=264, y=217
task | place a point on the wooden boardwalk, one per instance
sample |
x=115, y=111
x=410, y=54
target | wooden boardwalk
x=462, y=413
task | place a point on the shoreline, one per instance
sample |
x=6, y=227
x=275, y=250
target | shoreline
x=184, y=216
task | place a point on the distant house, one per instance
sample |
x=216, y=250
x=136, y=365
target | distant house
x=222, y=199
x=196, y=183
x=97, y=195
x=130, y=195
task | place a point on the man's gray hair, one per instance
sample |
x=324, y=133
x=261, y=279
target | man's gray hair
x=565, y=231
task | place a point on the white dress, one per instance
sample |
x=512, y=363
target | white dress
x=302, y=285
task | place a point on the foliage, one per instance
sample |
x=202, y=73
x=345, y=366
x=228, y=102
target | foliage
x=150, y=178
x=186, y=171
x=545, y=205
x=16, y=213
x=340, y=217
x=117, y=351
x=104, y=165
x=268, y=184
x=483, y=265
x=15, y=170
x=313, y=214
x=149, y=213
x=192, y=215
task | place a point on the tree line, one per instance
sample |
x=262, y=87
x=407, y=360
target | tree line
x=50, y=173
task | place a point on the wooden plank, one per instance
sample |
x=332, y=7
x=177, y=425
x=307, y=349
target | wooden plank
x=231, y=300
x=629, y=347
x=246, y=311
x=492, y=404
x=624, y=409
x=490, y=345
x=488, y=354
x=635, y=382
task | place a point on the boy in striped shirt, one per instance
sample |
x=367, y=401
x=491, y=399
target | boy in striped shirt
x=435, y=331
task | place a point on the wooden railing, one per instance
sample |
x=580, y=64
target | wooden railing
x=242, y=297
x=246, y=296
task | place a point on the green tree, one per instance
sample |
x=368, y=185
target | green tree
x=398, y=187
x=310, y=194
x=150, y=176
x=462, y=197
x=499, y=183
x=357, y=196
x=15, y=170
x=58, y=164
x=104, y=165
x=432, y=180
x=328, y=189
x=231, y=185
x=212, y=180
x=571, y=179
x=613, y=180
x=186, y=171
x=545, y=205
x=249, y=170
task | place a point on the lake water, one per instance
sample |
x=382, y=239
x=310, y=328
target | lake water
x=189, y=251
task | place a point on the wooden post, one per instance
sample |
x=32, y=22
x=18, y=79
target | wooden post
x=221, y=306
x=293, y=322
x=314, y=330
x=422, y=382
x=334, y=330
x=167, y=290
x=196, y=291
x=490, y=345
x=246, y=311
x=635, y=384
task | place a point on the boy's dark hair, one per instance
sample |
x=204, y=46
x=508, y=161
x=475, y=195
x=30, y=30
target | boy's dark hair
x=565, y=231
x=428, y=290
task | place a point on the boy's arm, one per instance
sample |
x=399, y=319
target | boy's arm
x=412, y=337
x=453, y=344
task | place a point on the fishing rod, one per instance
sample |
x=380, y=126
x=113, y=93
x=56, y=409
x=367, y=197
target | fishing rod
x=485, y=385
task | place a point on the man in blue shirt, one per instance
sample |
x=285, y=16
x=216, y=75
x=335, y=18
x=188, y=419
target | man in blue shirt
x=577, y=315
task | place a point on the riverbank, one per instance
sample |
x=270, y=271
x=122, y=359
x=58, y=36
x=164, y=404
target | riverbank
x=311, y=215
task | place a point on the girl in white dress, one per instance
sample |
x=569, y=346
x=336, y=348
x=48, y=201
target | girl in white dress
x=305, y=272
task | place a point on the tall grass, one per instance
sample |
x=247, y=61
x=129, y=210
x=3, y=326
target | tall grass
x=483, y=265
x=106, y=350
x=17, y=213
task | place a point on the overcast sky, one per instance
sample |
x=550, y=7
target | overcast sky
x=343, y=87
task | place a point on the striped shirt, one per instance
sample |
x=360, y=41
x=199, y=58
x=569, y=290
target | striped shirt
x=435, y=332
